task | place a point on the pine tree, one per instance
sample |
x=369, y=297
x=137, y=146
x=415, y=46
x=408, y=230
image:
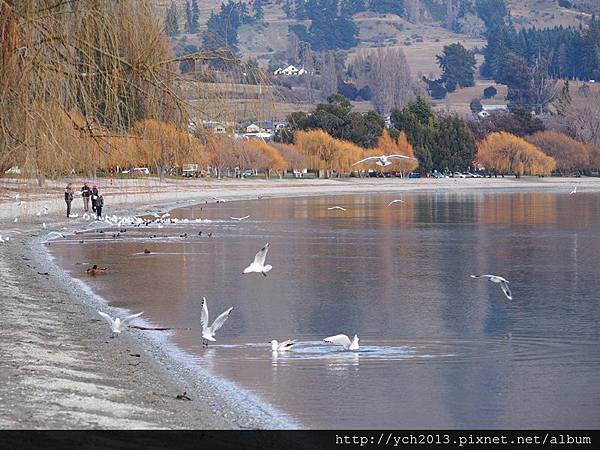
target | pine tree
x=188, y=17
x=258, y=10
x=455, y=145
x=195, y=26
x=172, y=20
x=458, y=65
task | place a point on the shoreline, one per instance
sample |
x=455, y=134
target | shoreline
x=61, y=371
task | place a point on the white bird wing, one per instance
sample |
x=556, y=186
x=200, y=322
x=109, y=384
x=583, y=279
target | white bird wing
x=219, y=321
x=204, y=315
x=339, y=339
x=109, y=319
x=483, y=276
x=400, y=157
x=287, y=343
x=395, y=201
x=261, y=256
x=370, y=158
x=128, y=319
x=506, y=290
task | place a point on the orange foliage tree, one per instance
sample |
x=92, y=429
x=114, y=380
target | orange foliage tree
x=295, y=159
x=324, y=152
x=503, y=152
x=164, y=146
x=272, y=157
x=387, y=146
x=570, y=155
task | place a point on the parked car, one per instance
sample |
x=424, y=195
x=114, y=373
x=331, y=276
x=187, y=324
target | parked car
x=143, y=170
x=191, y=170
x=414, y=175
x=436, y=174
x=458, y=175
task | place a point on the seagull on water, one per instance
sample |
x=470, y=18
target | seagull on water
x=396, y=201
x=336, y=207
x=208, y=332
x=344, y=341
x=258, y=265
x=239, y=219
x=281, y=346
x=2, y=240
x=574, y=191
x=383, y=160
x=116, y=325
x=496, y=279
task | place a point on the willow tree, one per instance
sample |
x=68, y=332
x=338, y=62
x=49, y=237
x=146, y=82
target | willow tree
x=506, y=153
x=102, y=65
x=324, y=152
x=163, y=146
x=273, y=159
x=570, y=154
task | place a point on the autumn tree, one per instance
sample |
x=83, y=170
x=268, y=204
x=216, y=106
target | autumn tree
x=294, y=158
x=273, y=161
x=570, y=155
x=164, y=146
x=388, y=146
x=324, y=152
x=506, y=153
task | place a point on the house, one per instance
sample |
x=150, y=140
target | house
x=290, y=71
x=253, y=128
x=488, y=109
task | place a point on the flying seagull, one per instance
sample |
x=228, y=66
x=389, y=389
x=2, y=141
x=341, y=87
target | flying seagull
x=239, y=219
x=116, y=325
x=574, y=191
x=344, y=341
x=336, y=207
x=383, y=160
x=282, y=346
x=208, y=333
x=496, y=279
x=258, y=265
x=396, y=201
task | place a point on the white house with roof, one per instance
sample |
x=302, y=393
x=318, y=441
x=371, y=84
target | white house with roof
x=488, y=109
x=290, y=71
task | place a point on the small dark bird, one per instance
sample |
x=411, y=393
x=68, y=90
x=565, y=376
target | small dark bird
x=209, y=234
x=95, y=270
x=146, y=251
x=184, y=235
x=199, y=233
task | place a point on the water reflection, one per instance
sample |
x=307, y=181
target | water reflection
x=434, y=347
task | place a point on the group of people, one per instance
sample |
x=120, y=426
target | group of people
x=87, y=193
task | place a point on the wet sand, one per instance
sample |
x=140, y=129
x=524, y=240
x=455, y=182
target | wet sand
x=59, y=369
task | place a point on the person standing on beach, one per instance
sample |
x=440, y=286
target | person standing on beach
x=99, y=205
x=94, y=197
x=68, y=198
x=86, y=193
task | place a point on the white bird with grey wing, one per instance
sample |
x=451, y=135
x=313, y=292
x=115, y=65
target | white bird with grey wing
x=344, y=341
x=239, y=219
x=117, y=325
x=383, y=160
x=281, y=346
x=208, y=332
x=258, y=265
x=331, y=208
x=496, y=279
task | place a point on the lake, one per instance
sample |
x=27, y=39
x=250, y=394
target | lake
x=438, y=349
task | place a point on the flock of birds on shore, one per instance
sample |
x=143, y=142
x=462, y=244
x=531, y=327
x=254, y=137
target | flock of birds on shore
x=258, y=265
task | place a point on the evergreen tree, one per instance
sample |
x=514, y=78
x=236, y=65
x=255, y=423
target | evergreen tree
x=330, y=30
x=188, y=17
x=258, y=10
x=492, y=12
x=454, y=145
x=195, y=26
x=458, y=65
x=387, y=6
x=172, y=20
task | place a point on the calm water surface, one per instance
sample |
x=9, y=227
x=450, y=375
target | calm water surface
x=438, y=349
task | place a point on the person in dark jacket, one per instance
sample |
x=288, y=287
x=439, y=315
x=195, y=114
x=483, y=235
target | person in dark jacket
x=86, y=193
x=68, y=198
x=99, y=205
x=94, y=197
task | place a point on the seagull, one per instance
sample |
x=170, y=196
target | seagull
x=116, y=325
x=6, y=239
x=44, y=225
x=574, y=191
x=496, y=279
x=336, y=207
x=258, y=265
x=344, y=341
x=396, y=201
x=282, y=346
x=208, y=333
x=56, y=233
x=383, y=160
x=16, y=220
x=239, y=219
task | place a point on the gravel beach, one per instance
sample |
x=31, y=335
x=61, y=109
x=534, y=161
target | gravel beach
x=59, y=368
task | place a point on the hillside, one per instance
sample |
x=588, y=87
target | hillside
x=268, y=41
